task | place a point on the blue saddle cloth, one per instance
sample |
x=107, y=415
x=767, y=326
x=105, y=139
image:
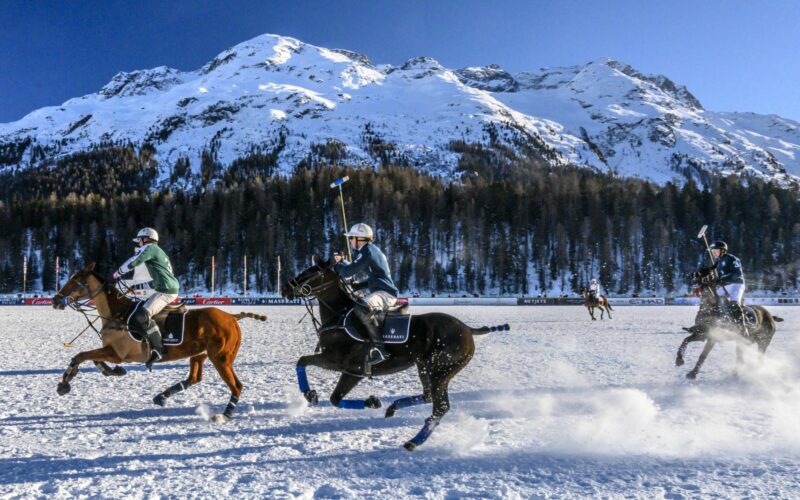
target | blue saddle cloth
x=395, y=328
x=171, y=324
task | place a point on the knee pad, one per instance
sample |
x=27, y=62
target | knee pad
x=141, y=318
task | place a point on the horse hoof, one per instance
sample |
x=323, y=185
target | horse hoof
x=119, y=371
x=409, y=446
x=221, y=418
x=312, y=397
x=679, y=362
x=691, y=375
x=160, y=400
x=63, y=388
x=390, y=411
x=372, y=402
x=594, y=319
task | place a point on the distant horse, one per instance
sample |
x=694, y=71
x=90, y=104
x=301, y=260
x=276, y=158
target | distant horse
x=208, y=333
x=438, y=344
x=598, y=302
x=710, y=316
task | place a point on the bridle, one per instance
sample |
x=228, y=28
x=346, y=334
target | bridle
x=307, y=292
x=86, y=306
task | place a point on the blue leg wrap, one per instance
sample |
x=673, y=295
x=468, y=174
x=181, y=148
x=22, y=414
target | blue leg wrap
x=427, y=430
x=302, y=380
x=352, y=404
x=410, y=401
x=231, y=406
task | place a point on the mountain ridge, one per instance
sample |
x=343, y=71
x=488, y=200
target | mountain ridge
x=271, y=90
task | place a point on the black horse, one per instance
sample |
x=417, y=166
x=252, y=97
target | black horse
x=438, y=344
x=761, y=327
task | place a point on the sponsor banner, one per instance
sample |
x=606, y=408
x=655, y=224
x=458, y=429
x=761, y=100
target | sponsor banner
x=265, y=301
x=772, y=301
x=462, y=301
x=539, y=301
x=213, y=301
x=39, y=301
x=11, y=301
x=637, y=301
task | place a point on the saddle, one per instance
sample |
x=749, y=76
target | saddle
x=395, y=324
x=171, y=323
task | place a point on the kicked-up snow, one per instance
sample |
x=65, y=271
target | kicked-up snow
x=560, y=406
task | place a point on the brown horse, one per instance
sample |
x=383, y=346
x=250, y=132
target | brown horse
x=599, y=302
x=709, y=317
x=209, y=333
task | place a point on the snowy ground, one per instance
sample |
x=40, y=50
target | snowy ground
x=558, y=407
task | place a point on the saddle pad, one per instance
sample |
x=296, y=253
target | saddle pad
x=396, y=328
x=173, y=328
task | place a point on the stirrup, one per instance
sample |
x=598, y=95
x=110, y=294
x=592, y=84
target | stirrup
x=154, y=356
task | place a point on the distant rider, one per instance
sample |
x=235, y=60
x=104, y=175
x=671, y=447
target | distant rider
x=594, y=290
x=730, y=284
x=166, y=287
x=382, y=295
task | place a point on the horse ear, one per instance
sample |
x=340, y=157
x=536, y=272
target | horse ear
x=317, y=259
x=90, y=267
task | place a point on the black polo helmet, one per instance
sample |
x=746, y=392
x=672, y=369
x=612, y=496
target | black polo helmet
x=719, y=245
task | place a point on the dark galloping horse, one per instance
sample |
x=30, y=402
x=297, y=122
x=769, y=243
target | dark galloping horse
x=711, y=316
x=598, y=302
x=438, y=344
x=208, y=333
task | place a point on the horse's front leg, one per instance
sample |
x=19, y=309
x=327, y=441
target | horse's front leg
x=302, y=379
x=591, y=312
x=682, y=349
x=703, y=355
x=345, y=385
x=106, y=353
x=107, y=371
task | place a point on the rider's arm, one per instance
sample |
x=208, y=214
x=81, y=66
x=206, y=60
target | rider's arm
x=360, y=264
x=142, y=254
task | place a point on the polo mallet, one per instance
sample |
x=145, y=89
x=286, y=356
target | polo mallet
x=338, y=183
x=702, y=234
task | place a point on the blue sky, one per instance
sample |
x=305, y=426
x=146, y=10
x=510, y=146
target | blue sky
x=734, y=55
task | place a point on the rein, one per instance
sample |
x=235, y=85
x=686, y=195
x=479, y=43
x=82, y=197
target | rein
x=308, y=293
x=89, y=310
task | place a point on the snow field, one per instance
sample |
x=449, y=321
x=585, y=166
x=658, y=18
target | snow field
x=559, y=407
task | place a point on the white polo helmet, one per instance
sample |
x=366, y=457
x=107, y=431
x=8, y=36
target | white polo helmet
x=361, y=230
x=146, y=232
x=594, y=280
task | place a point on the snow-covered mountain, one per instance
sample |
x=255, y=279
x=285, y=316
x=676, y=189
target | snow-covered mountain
x=278, y=95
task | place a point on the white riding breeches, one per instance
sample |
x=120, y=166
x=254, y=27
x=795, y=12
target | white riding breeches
x=158, y=301
x=735, y=292
x=379, y=301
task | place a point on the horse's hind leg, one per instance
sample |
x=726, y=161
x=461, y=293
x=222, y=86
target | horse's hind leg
x=420, y=399
x=224, y=365
x=608, y=311
x=195, y=376
x=441, y=402
x=106, y=353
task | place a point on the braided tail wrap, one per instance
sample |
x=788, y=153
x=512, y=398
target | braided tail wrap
x=487, y=329
x=243, y=315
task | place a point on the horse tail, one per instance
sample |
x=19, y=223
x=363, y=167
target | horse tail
x=777, y=319
x=243, y=315
x=486, y=329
